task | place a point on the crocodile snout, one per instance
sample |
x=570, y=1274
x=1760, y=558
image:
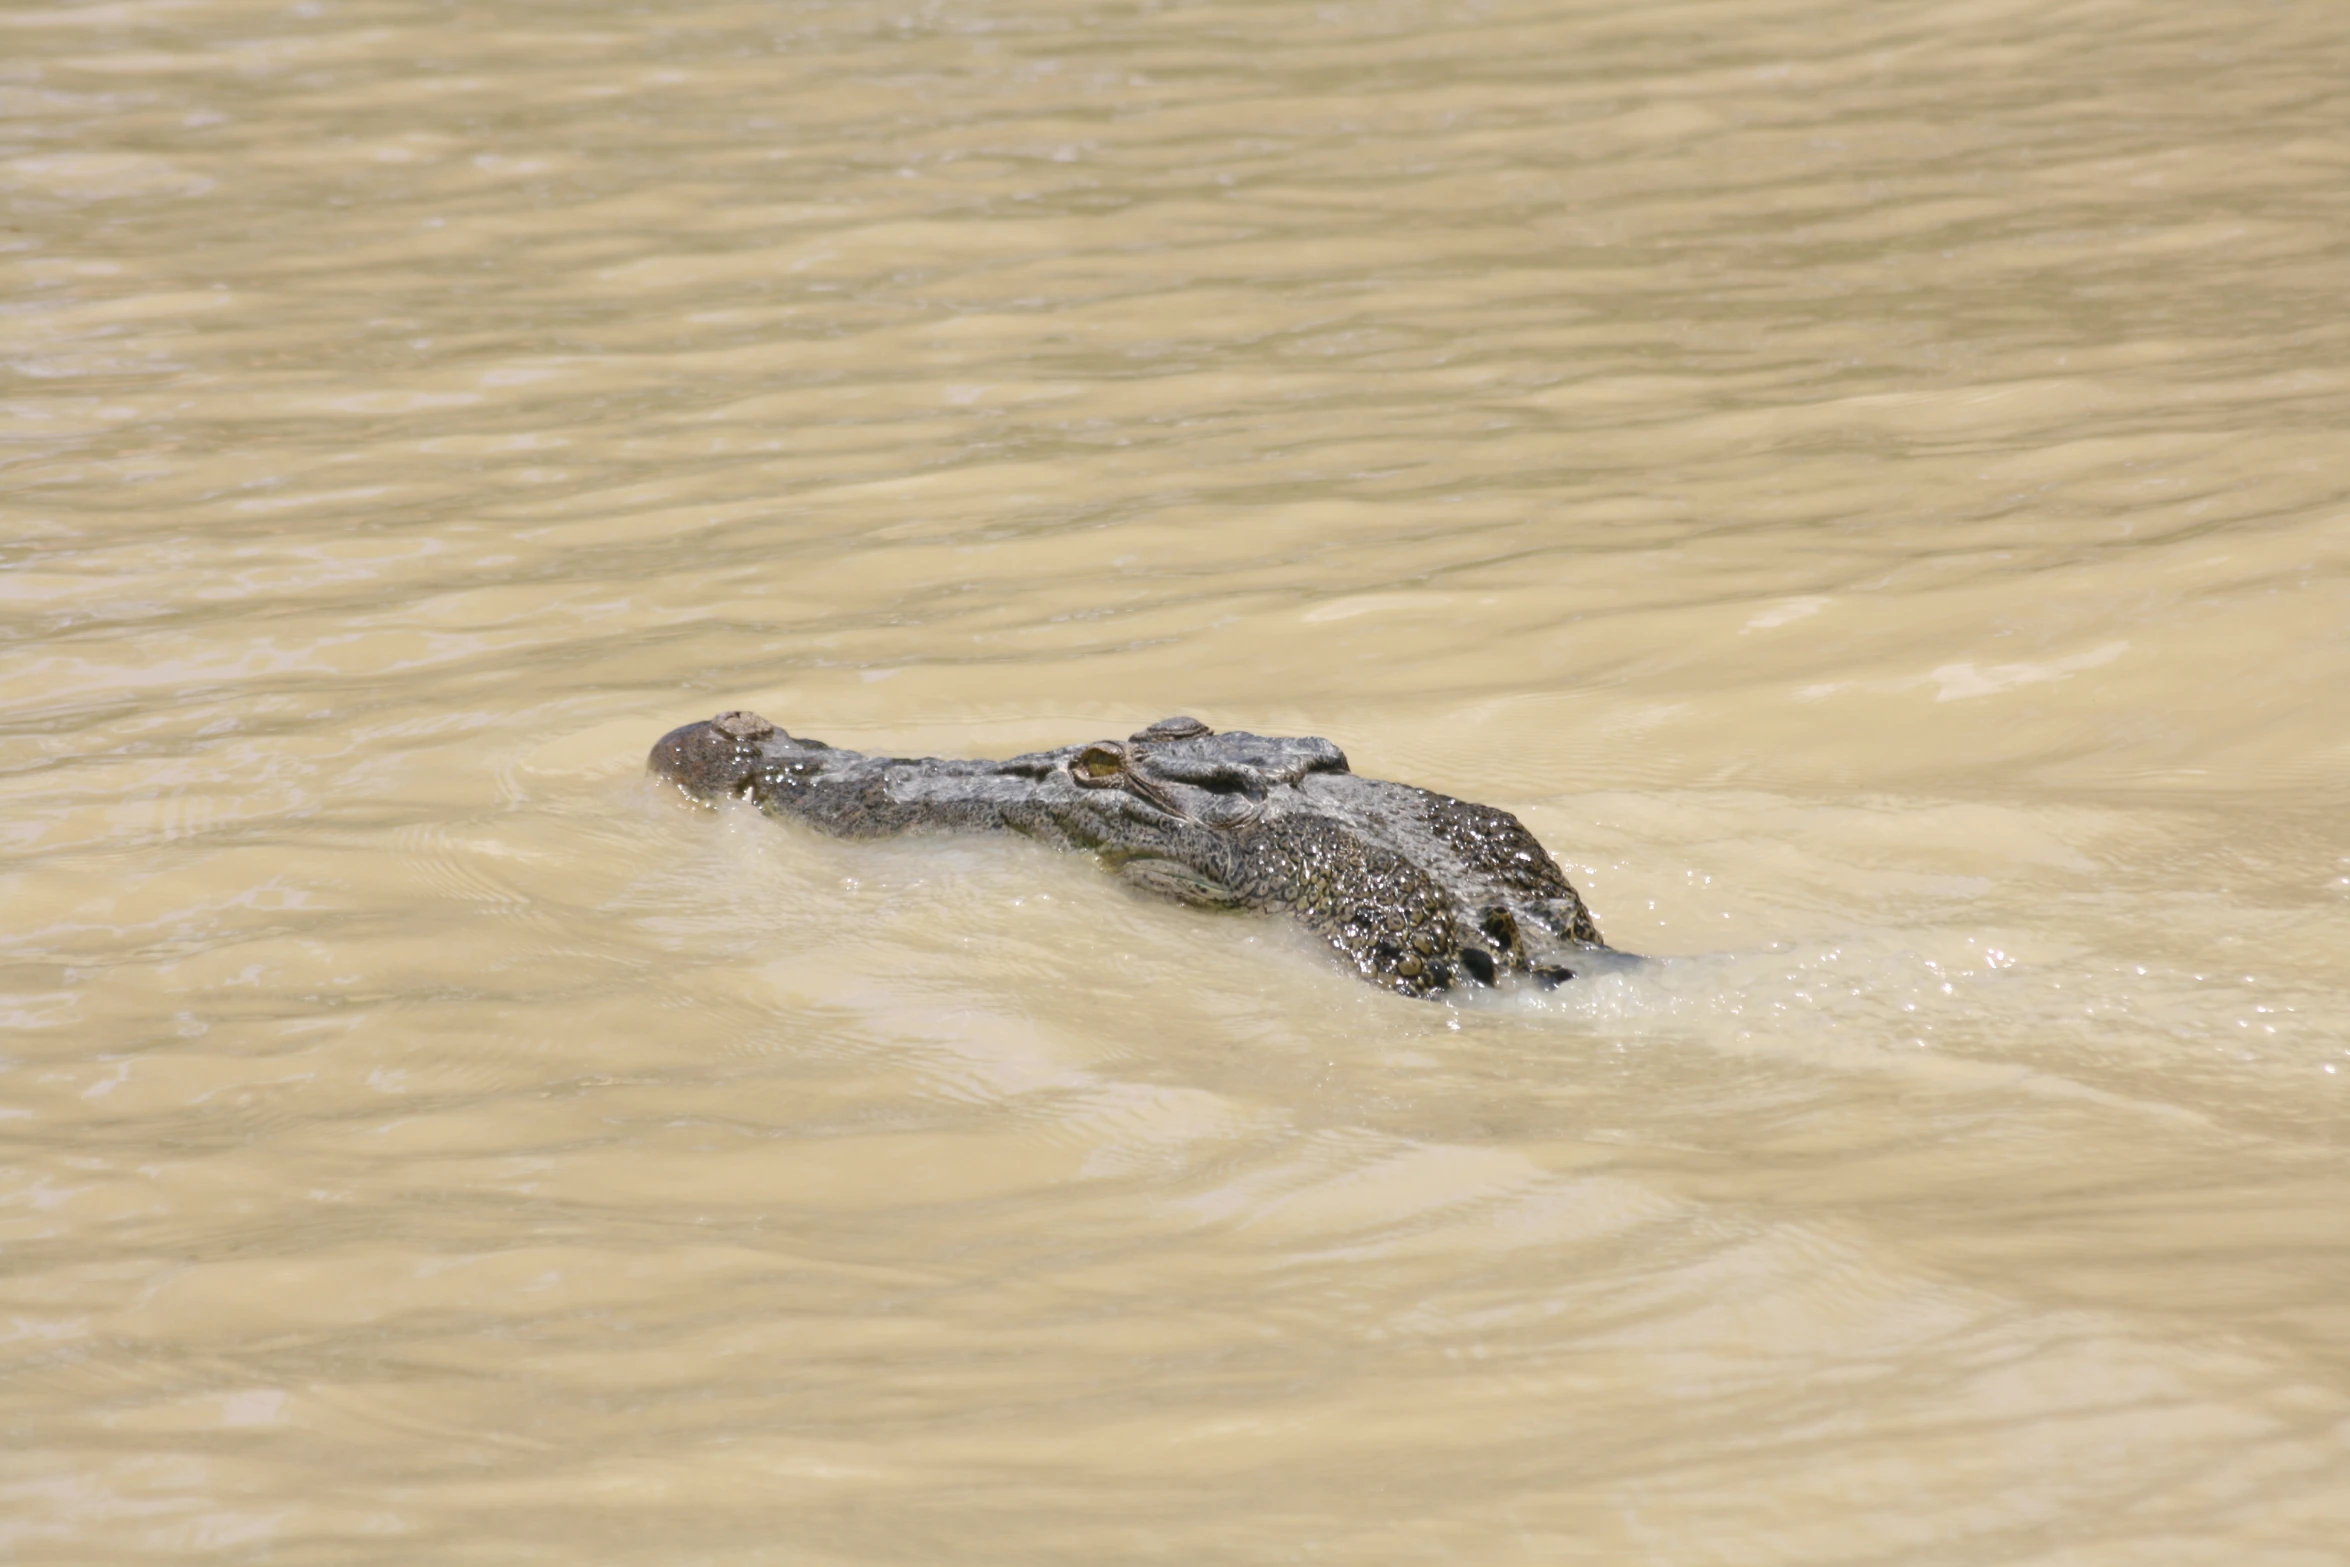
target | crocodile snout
x=712, y=760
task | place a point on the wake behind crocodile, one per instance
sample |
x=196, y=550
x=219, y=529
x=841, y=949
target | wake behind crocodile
x=900, y=924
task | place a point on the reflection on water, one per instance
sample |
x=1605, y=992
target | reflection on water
x=1863, y=483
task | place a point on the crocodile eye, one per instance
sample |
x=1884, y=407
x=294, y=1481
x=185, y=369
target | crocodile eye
x=1098, y=763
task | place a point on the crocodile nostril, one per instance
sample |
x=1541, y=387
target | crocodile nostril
x=1552, y=978
x=738, y=724
x=1479, y=963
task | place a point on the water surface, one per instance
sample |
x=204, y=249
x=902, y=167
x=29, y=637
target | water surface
x=1865, y=483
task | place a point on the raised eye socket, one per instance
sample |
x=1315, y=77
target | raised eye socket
x=1098, y=762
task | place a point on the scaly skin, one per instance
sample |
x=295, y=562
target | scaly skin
x=1418, y=891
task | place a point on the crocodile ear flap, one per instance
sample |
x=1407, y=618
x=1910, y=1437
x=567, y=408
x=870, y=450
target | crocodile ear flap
x=1171, y=879
x=1179, y=728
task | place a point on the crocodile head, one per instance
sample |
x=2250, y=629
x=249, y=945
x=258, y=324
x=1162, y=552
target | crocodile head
x=1417, y=890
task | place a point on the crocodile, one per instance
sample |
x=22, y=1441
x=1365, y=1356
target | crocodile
x=1416, y=891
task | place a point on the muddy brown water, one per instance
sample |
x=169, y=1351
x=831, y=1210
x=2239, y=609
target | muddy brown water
x=1866, y=483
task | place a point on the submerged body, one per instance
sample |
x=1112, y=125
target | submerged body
x=1418, y=891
